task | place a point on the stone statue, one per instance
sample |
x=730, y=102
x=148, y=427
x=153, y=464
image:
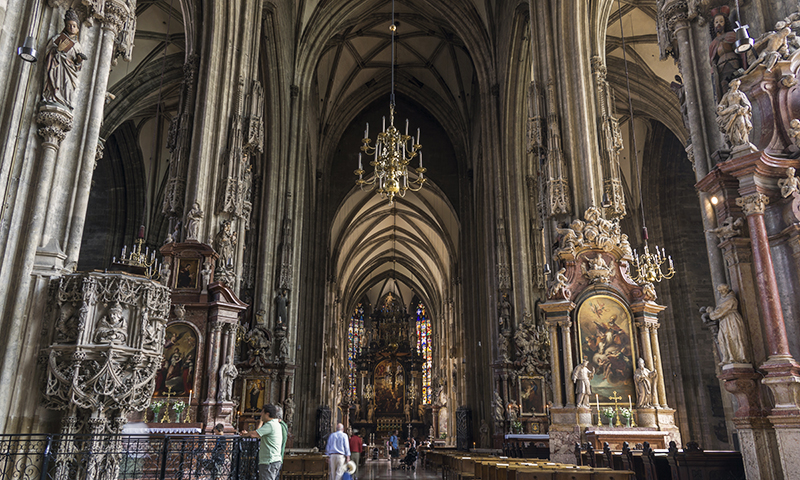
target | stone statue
x=164, y=273
x=791, y=184
x=504, y=306
x=226, y=243
x=498, y=410
x=644, y=378
x=205, y=274
x=63, y=62
x=513, y=411
x=371, y=413
x=731, y=337
x=421, y=412
x=502, y=347
x=598, y=270
x=227, y=374
x=582, y=377
x=283, y=350
x=407, y=412
x=773, y=47
x=179, y=310
x=112, y=328
x=794, y=132
x=730, y=228
x=281, y=304
x=725, y=63
x=734, y=116
x=193, y=221
x=558, y=289
x=288, y=409
x=260, y=346
x=484, y=434
x=357, y=411
x=649, y=292
x=67, y=324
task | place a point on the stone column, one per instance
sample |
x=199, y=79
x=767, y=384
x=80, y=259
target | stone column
x=662, y=394
x=116, y=17
x=557, y=313
x=566, y=338
x=783, y=372
x=213, y=358
x=558, y=399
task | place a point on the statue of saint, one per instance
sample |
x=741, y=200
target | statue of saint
x=773, y=47
x=498, y=411
x=164, y=273
x=731, y=336
x=226, y=243
x=484, y=434
x=582, y=377
x=112, y=328
x=725, y=62
x=281, y=302
x=63, y=62
x=227, y=374
x=791, y=184
x=371, y=412
x=407, y=412
x=193, y=220
x=643, y=377
x=734, y=116
x=288, y=409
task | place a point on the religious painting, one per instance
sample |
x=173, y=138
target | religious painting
x=606, y=341
x=389, y=388
x=176, y=375
x=254, y=392
x=531, y=395
x=187, y=273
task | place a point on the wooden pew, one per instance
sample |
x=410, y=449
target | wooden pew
x=696, y=464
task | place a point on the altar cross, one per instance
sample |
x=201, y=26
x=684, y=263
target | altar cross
x=616, y=397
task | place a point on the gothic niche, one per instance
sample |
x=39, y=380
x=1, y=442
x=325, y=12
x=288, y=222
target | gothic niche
x=388, y=389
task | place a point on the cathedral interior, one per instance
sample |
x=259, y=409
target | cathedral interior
x=181, y=221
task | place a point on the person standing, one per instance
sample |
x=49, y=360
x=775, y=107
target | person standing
x=395, y=448
x=270, y=451
x=356, y=447
x=338, y=451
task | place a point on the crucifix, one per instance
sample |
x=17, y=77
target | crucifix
x=616, y=397
x=165, y=418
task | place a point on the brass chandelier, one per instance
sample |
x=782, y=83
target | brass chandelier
x=391, y=154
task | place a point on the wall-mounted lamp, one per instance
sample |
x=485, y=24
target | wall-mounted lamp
x=714, y=200
x=743, y=40
x=27, y=51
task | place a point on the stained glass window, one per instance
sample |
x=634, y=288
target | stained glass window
x=355, y=335
x=424, y=349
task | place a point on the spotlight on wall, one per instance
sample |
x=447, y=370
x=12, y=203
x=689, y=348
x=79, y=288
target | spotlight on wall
x=743, y=40
x=27, y=51
x=714, y=200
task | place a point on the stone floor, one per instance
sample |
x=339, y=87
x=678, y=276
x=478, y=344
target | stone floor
x=380, y=469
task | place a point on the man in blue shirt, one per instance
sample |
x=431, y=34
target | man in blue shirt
x=395, y=449
x=337, y=448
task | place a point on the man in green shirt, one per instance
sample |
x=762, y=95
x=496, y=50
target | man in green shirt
x=273, y=442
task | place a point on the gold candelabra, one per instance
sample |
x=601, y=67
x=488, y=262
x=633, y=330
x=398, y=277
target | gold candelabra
x=649, y=266
x=391, y=156
x=137, y=258
x=165, y=417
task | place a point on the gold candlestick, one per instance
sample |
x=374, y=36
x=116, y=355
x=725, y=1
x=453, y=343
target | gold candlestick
x=597, y=401
x=616, y=408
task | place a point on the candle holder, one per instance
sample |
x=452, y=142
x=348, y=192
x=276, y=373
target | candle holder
x=165, y=417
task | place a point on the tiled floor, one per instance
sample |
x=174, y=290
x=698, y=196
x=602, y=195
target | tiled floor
x=380, y=470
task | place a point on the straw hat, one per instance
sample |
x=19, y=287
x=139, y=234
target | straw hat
x=349, y=467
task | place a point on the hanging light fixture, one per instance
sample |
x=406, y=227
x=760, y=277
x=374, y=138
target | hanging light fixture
x=28, y=51
x=392, y=153
x=648, y=265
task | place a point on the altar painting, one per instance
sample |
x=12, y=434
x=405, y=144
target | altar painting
x=254, y=391
x=176, y=375
x=606, y=341
x=389, y=388
x=531, y=395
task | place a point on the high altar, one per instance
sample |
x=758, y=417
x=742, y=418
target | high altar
x=389, y=389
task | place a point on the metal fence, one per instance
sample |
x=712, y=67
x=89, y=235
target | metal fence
x=124, y=457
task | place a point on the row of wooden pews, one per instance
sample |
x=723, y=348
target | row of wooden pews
x=311, y=466
x=457, y=466
x=672, y=464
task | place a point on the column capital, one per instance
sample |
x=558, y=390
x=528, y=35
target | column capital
x=753, y=204
x=676, y=14
x=54, y=123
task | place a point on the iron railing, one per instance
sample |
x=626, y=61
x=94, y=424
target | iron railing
x=127, y=457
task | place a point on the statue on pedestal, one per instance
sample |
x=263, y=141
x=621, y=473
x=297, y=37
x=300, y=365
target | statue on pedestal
x=484, y=434
x=498, y=410
x=193, y=220
x=281, y=304
x=63, y=62
x=643, y=378
x=227, y=374
x=731, y=336
x=288, y=409
x=582, y=377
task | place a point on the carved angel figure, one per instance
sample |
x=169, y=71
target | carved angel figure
x=730, y=228
x=791, y=184
x=559, y=286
